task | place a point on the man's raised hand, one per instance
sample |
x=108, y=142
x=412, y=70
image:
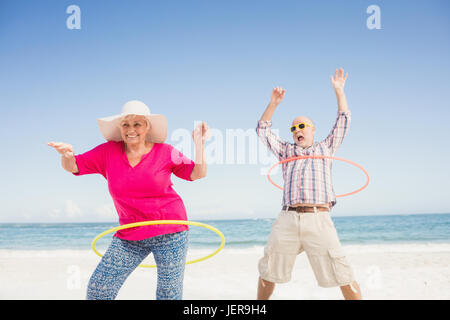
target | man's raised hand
x=277, y=96
x=338, y=81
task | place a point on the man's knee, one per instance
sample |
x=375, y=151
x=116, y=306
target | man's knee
x=266, y=283
x=351, y=291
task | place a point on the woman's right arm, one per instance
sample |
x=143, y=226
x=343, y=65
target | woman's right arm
x=67, y=156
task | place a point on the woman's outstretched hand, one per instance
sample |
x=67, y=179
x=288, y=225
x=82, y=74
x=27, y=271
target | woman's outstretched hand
x=200, y=133
x=63, y=149
x=67, y=156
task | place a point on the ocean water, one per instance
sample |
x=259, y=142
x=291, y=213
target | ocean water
x=416, y=228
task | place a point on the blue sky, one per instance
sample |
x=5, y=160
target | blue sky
x=217, y=61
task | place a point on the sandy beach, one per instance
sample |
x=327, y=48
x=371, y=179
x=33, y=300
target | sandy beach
x=397, y=271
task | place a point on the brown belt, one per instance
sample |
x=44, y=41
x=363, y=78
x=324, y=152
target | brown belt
x=305, y=209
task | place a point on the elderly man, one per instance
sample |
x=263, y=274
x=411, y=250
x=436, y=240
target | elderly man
x=304, y=224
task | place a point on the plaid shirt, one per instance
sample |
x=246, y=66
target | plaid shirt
x=306, y=180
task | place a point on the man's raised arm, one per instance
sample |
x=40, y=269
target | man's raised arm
x=338, y=82
x=340, y=127
x=274, y=143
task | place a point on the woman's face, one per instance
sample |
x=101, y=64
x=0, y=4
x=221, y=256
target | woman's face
x=134, y=129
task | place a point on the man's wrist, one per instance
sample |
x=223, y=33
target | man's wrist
x=339, y=91
x=273, y=105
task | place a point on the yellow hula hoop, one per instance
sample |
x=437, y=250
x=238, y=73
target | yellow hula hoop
x=148, y=223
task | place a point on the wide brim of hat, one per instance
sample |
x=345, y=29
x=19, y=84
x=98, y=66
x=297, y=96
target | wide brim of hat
x=109, y=127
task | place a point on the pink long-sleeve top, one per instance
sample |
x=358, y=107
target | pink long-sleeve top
x=143, y=192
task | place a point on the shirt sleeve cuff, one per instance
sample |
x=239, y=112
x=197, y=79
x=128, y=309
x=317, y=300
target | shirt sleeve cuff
x=79, y=171
x=344, y=113
x=262, y=124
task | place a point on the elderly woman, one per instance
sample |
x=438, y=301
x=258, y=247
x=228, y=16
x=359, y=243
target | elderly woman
x=138, y=165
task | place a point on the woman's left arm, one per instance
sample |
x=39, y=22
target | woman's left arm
x=199, y=135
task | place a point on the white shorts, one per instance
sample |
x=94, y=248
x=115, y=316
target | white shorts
x=292, y=233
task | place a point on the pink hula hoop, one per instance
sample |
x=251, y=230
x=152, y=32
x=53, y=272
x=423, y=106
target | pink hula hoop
x=321, y=157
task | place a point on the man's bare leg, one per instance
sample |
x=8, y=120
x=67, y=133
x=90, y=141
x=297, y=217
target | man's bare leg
x=265, y=289
x=351, y=291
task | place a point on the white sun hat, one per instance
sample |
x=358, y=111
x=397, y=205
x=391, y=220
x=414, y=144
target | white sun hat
x=109, y=126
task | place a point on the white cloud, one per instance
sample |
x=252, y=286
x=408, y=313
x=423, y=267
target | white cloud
x=106, y=211
x=55, y=213
x=72, y=210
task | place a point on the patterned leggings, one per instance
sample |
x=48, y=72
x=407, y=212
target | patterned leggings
x=123, y=256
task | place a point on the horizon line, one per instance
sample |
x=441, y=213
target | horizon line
x=237, y=219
